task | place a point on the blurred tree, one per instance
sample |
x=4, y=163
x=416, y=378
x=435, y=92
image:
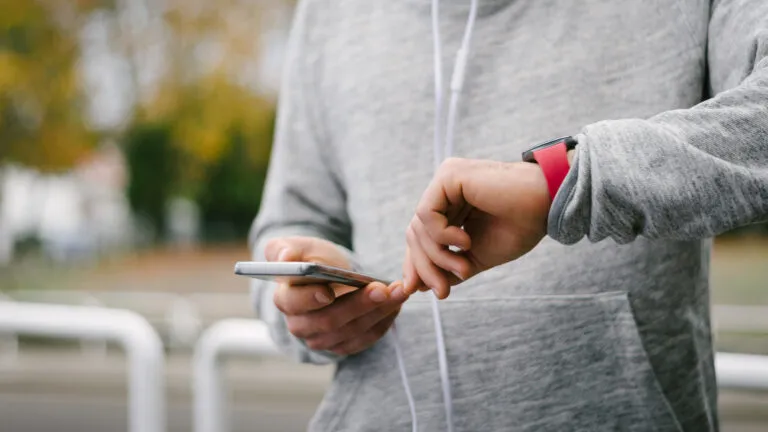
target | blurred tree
x=230, y=198
x=208, y=118
x=152, y=170
x=41, y=123
x=219, y=125
x=41, y=96
x=199, y=126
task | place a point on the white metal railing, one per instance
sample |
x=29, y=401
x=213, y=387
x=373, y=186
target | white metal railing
x=9, y=344
x=146, y=380
x=230, y=336
x=178, y=317
x=741, y=371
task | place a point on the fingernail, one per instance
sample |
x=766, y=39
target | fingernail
x=323, y=298
x=378, y=295
x=434, y=290
x=458, y=275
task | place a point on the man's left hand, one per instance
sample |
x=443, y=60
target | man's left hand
x=502, y=208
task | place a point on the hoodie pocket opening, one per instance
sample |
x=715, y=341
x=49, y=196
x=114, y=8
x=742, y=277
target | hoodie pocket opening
x=337, y=400
x=636, y=366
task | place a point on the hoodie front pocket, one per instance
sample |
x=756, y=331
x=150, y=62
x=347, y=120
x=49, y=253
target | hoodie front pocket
x=559, y=363
x=536, y=363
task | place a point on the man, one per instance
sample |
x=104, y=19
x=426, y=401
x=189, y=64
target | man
x=609, y=333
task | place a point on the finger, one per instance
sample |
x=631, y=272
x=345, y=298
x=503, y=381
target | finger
x=432, y=276
x=443, y=258
x=285, y=249
x=366, y=340
x=353, y=329
x=439, y=229
x=343, y=310
x=411, y=281
x=441, y=201
x=300, y=299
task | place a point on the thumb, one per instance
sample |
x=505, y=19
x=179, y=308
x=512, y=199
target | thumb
x=283, y=250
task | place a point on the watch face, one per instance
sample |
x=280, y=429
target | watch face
x=528, y=155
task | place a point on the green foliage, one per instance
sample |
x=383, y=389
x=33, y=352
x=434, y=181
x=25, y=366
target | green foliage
x=227, y=191
x=232, y=193
x=152, y=168
x=218, y=128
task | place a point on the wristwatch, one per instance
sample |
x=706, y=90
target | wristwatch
x=552, y=157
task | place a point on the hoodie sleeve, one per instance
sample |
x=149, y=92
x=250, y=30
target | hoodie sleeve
x=683, y=174
x=304, y=195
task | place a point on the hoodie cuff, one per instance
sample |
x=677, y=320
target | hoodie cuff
x=563, y=203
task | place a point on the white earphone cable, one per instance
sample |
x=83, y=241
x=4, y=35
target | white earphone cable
x=404, y=378
x=457, y=78
x=441, y=149
x=438, y=79
x=456, y=85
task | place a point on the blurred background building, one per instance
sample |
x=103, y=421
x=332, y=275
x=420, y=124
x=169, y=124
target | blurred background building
x=134, y=139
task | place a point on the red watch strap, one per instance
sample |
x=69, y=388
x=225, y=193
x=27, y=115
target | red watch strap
x=553, y=161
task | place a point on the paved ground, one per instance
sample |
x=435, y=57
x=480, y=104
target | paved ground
x=56, y=389
x=47, y=413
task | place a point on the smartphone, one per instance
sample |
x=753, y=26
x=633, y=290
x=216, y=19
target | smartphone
x=302, y=273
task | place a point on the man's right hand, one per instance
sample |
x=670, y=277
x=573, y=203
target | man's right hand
x=331, y=317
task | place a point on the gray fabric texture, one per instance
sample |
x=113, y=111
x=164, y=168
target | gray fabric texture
x=605, y=325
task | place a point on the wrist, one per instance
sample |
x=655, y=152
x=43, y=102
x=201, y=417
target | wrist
x=554, y=160
x=571, y=154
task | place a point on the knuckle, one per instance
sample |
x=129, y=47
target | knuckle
x=436, y=281
x=355, y=328
x=410, y=233
x=324, y=324
x=277, y=299
x=422, y=214
x=271, y=248
x=450, y=165
x=285, y=307
x=453, y=167
x=354, y=350
x=342, y=349
x=316, y=344
x=463, y=269
x=424, y=274
x=312, y=343
x=296, y=328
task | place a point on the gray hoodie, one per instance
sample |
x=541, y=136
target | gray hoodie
x=605, y=325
